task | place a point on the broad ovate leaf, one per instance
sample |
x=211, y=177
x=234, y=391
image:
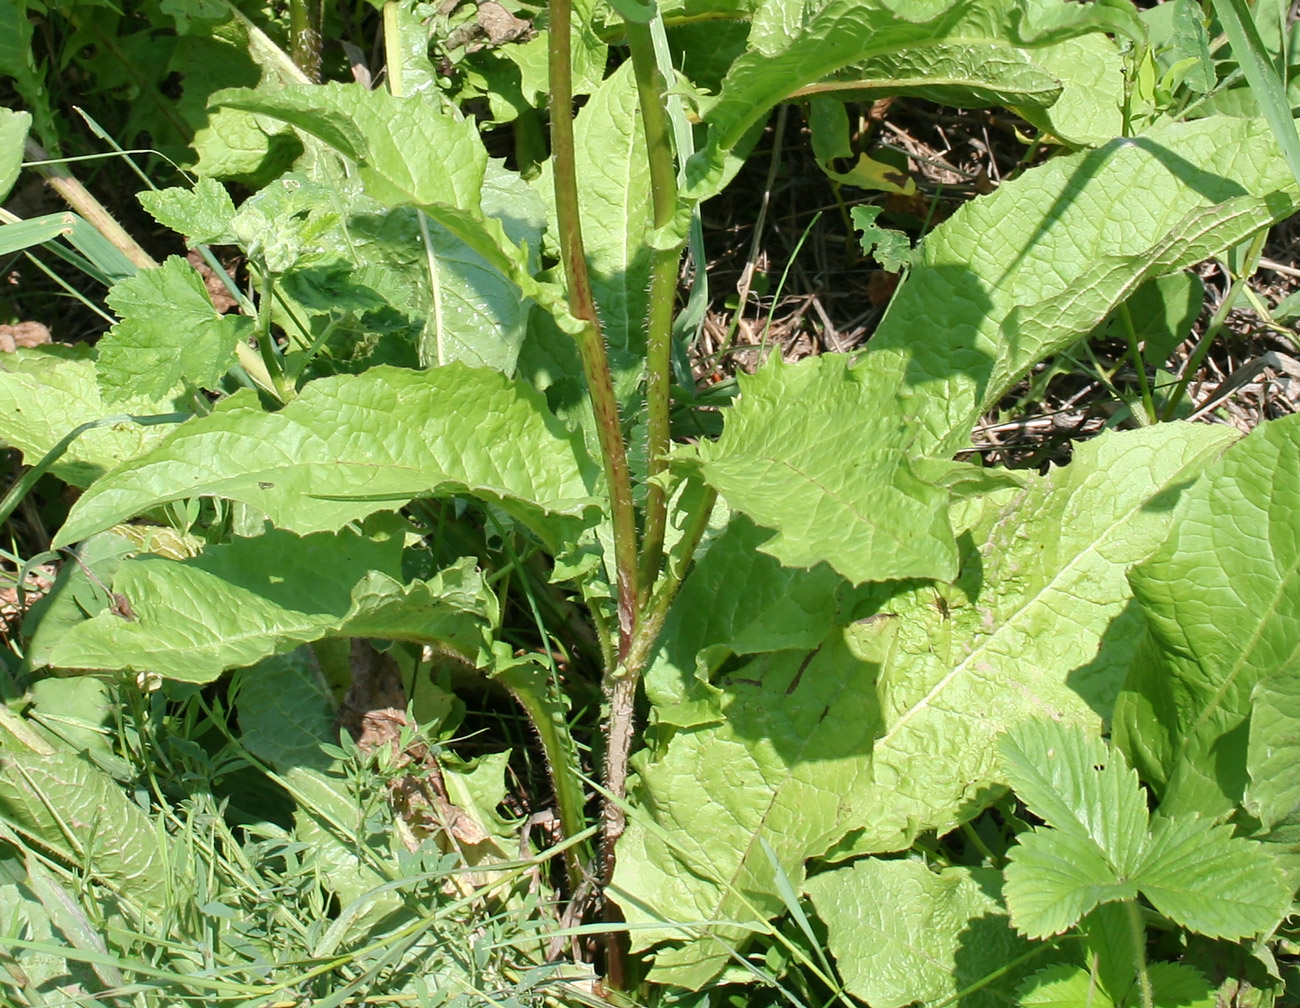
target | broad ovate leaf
x=169, y=338
x=1025, y=271
x=1221, y=601
x=887, y=729
x=834, y=478
x=237, y=603
x=350, y=445
x=902, y=933
x=48, y=391
x=65, y=805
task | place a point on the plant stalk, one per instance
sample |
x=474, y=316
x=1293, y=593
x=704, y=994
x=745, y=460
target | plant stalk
x=1138, y=932
x=79, y=198
x=651, y=87
x=591, y=343
x=622, y=689
x=304, y=33
x=1217, y=321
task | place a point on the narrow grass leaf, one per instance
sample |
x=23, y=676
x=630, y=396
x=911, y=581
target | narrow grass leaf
x=1257, y=64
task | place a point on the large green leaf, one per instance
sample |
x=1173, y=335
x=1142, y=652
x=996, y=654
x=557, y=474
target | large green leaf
x=169, y=340
x=415, y=151
x=237, y=603
x=1099, y=847
x=834, y=477
x=46, y=392
x=66, y=806
x=886, y=730
x=1022, y=273
x=1222, y=604
x=739, y=600
x=903, y=934
x=617, y=216
x=354, y=444
x=800, y=44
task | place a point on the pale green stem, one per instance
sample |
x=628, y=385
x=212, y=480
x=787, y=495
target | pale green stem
x=79, y=198
x=663, y=289
x=393, y=50
x=1138, y=932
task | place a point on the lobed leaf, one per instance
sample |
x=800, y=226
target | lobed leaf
x=202, y=214
x=354, y=444
x=169, y=340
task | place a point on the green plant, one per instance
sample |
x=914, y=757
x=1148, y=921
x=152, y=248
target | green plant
x=456, y=436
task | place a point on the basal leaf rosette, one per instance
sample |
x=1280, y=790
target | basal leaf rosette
x=351, y=445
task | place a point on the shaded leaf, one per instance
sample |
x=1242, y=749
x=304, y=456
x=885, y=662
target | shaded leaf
x=1273, y=751
x=901, y=933
x=237, y=603
x=1025, y=271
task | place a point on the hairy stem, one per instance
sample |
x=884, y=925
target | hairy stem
x=591, y=343
x=1138, y=932
x=621, y=688
x=304, y=33
x=78, y=197
x=650, y=86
